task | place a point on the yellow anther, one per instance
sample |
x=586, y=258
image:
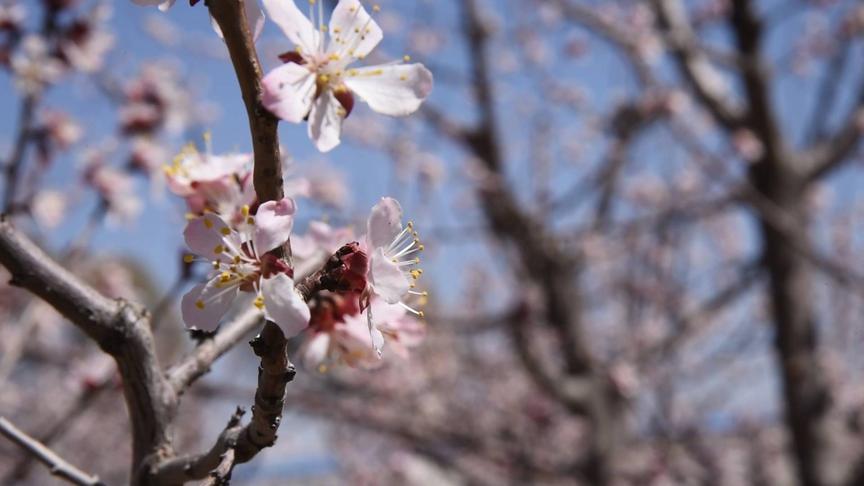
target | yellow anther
x=236, y=258
x=322, y=368
x=199, y=304
x=188, y=258
x=218, y=249
x=245, y=210
x=207, y=136
x=421, y=314
x=410, y=224
x=421, y=248
x=324, y=79
x=376, y=8
x=412, y=285
x=406, y=58
x=207, y=223
x=215, y=264
x=336, y=30
x=415, y=274
x=259, y=302
x=403, y=78
x=250, y=220
x=333, y=57
x=225, y=231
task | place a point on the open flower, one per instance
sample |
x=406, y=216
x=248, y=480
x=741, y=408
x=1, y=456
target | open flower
x=315, y=83
x=393, y=261
x=242, y=262
x=340, y=336
x=218, y=183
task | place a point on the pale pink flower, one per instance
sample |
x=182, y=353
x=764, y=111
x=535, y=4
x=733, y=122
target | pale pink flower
x=346, y=339
x=12, y=16
x=49, y=208
x=241, y=260
x=218, y=183
x=393, y=261
x=62, y=129
x=86, y=42
x=33, y=66
x=316, y=83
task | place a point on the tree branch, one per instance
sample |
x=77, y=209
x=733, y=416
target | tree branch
x=56, y=464
x=120, y=328
x=706, y=82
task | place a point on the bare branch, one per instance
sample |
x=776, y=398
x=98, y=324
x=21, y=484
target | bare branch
x=706, y=82
x=56, y=464
x=182, y=375
x=120, y=328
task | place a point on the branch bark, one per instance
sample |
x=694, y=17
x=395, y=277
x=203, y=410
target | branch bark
x=57, y=465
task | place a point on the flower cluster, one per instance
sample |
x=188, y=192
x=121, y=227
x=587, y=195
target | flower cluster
x=370, y=293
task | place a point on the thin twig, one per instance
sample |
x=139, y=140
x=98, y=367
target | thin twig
x=56, y=464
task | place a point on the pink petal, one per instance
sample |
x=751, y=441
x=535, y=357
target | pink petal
x=204, y=305
x=325, y=122
x=284, y=306
x=205, y=234
x=384, y=223
x=395, y=90
x=348, y=18
x=316, y=349
x=387, y=279
x=273, y=223
x=288, y=91
x=294, y=24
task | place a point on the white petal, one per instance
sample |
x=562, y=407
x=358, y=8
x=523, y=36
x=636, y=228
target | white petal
x=316, y=350
x=387, y=279
x=353, y=33
x=375, y=335
x=254, y=15
x=325, y=122
x=395, y=90
x=284, y=306
x=273, y=223
x=205, y=304
x=164, y=6
x=206, y=234
x=384, y=223
x=288, y=91
x=294, y=24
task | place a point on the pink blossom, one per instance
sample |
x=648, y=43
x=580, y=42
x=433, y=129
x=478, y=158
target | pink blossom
x=315, y=82
x=393, y=261
x=241, y=261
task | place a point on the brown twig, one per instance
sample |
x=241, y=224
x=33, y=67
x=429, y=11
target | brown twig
x=57, y=465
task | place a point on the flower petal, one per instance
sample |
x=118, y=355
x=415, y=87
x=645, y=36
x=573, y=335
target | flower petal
x=205, y=304
x=316, y=350
x=387, y=279
x=325, y=122
x=384, y=223
x=284, y=306
x=273, y=223
x=395, y=90
x=353, y=33
x=205, y=235
x=288, y=91
x=294, y=24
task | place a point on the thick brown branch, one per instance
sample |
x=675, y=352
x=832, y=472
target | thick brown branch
x=120, y=328
x=56, y=464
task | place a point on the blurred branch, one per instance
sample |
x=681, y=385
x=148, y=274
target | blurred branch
x=56, y=464
x=706, y=82
x=119, y=327
x=13, y=165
